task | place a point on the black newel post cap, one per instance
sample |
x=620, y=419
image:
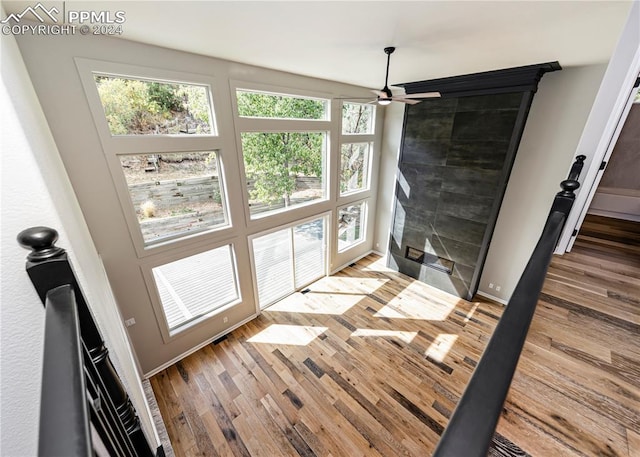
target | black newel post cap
x=41, y=241
x=568, y=186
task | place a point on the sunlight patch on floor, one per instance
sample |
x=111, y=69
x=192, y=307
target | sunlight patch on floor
x=364, y=285
x=407, y=337
x=293, y=335
x=337, y=305
x=415, y=309
x=441, y=346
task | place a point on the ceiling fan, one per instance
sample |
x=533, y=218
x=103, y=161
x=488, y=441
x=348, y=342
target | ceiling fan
x=385, y=96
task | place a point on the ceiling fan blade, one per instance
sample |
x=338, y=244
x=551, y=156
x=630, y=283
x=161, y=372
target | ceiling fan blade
x=423, y=95
x=408, y=101
x=379, y=93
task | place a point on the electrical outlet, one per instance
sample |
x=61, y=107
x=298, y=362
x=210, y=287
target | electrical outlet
x=498, y=288
x=225, y=319
x=130, y=322
x=377, y=245
x=490, y=285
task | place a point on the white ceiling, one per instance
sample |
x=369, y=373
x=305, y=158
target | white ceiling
x=344, y=41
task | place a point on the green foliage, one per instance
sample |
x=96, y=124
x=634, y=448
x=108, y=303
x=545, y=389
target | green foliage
x=165, y=95
x=273, y=161
x=252, y=104
x=127, y=105
x=132, y=106
x=197, y=103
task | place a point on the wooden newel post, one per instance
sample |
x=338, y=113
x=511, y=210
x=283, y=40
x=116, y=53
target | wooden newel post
x=48, y=267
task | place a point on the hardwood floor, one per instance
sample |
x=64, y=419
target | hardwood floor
x=577, y=387
x=371, y=363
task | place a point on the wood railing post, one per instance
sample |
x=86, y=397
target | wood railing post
x=48, y=267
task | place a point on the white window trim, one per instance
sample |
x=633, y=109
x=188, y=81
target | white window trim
x=364, y=221
x=114, y=146
x=368, y=161
x=148, y=265
x=277, y=125
x=327, y=221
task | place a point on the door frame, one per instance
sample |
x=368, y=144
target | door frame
x=608, y=114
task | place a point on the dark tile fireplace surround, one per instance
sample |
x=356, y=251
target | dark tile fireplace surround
x=456, y=156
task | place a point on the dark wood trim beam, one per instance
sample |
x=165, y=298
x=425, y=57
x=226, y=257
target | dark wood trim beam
x=517, y=79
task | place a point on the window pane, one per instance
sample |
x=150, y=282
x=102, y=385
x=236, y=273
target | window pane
x=137, y=107
x=354, y=167
x=350, y=225
x=196, y=285
x=284, y=170
x=175, y=193
x=309, y=248
x=357, y=118
x=259, y=104
x=273, y=260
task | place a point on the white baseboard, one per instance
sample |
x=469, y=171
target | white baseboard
x=198, y=347
x=335, y=270
x=502, y=301
x=616, y=203
x=614, y=215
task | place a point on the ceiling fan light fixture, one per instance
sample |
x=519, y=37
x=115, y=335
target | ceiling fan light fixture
x=383, y=101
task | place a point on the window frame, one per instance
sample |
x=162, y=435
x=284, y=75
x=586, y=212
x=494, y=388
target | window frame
x=366, y=181
x=170, y=239
x=374, y=108
x=346, y=138
x=364, y=224
x=149, y=264
x=327, y=218
x=278, y=125
x=115, y=146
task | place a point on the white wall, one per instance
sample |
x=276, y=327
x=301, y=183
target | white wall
x=556, y=120
x=36, y=191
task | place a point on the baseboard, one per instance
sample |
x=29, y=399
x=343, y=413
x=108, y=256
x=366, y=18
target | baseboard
x=198, y=347
x=492, y=298
x=616, y=203
x=614, y=214
x=342, y=267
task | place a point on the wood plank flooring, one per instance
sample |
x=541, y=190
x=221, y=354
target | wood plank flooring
x=577, y=388
x=371, y=363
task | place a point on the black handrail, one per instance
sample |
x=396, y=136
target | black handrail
x=473, y=423
x=113, y=419
x=67, y=432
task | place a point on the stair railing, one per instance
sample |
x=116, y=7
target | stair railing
x=84, y=408
x=473, y=422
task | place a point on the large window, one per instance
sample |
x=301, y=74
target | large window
x=284, y=144
x=197, y=285
x=175, y=194
x=142, y=107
